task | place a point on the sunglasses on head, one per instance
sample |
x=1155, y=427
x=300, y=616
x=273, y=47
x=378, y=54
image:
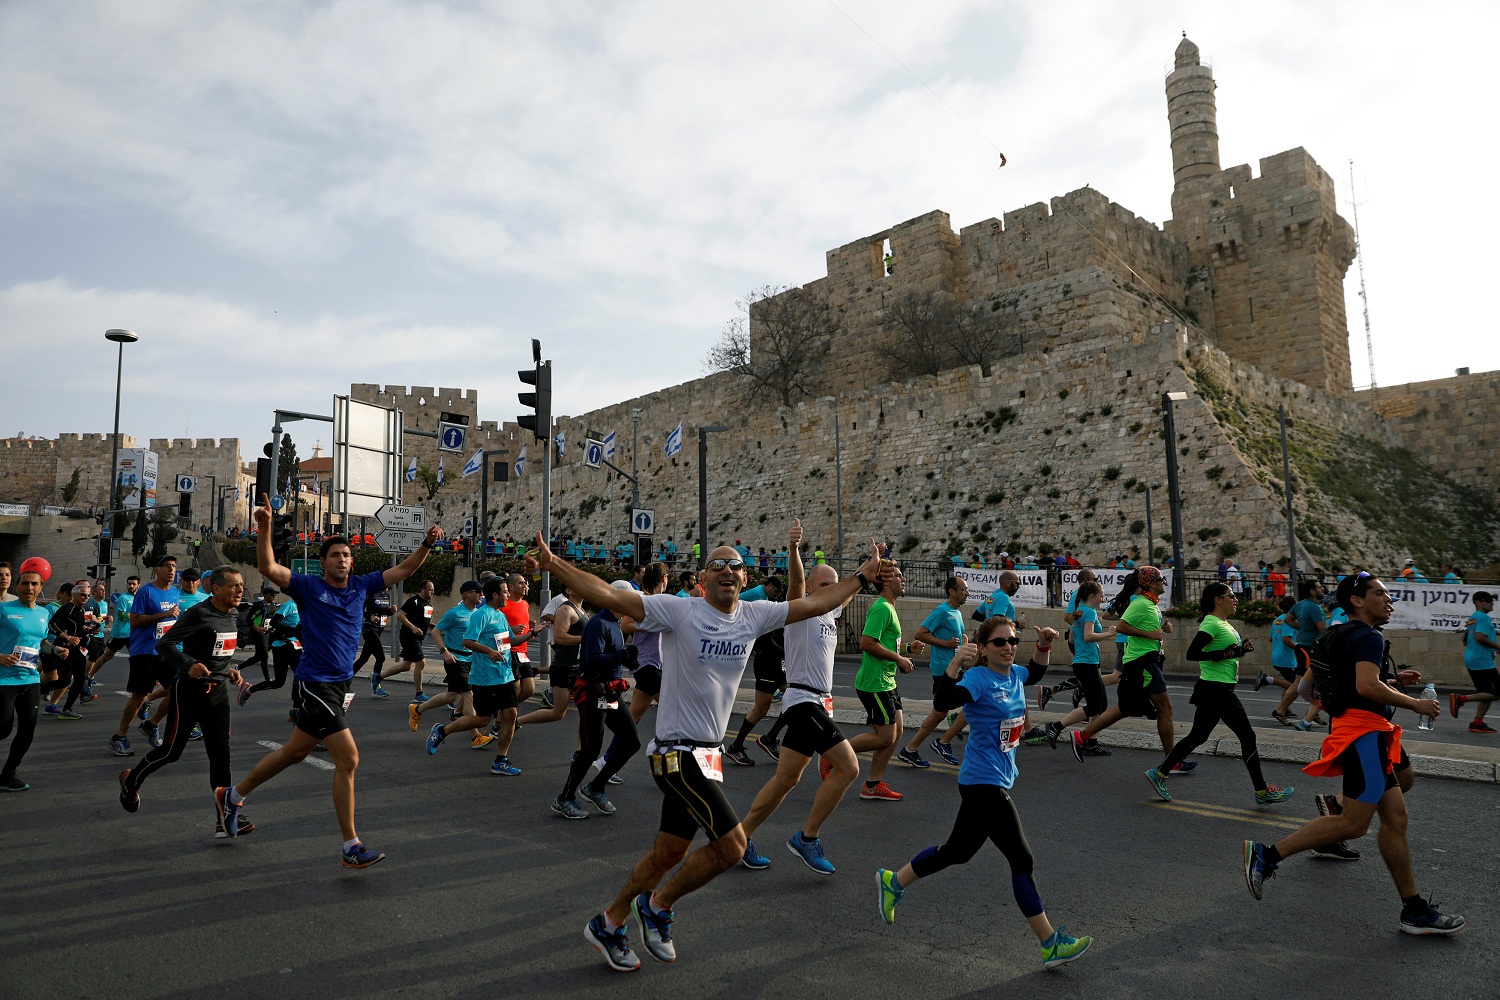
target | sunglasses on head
x=1002, y=641
x=718, y=564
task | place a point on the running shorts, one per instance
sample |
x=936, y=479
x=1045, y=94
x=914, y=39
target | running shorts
x=880, y=706
x=770, y=674
x=145, y=673
x=1304, y=658
x=945, y=696
x=1095, y=700
x=118, y=643
x=522, y=665
x=809, y=730
x=411, y=646
x=1486, y=681
x=648, y=679
x=1287, y=674
x=457, y=677
x=690, y=800
x=318, y=707
x=1367, y=768
x=492, y=699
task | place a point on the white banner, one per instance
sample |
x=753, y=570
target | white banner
x=1110, y=580
x=15, y=510
x=1432, y=607
x=984, y=582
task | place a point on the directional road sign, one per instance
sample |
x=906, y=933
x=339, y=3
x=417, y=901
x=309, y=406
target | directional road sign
x=187, y=484
x=593, y=453
x=397, y=516
x=451, y=437
x=399, y=541
x=278, y=502
x=468, y=531
x=307, y=567
x=642, y=521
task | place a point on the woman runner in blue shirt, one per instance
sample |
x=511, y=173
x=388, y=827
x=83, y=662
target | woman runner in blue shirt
x=994, y=699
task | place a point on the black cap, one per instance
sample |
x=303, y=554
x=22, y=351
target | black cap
x=1483, y=595
x=469, y=586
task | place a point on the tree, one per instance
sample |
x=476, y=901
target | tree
x=163, y=530
x=427, y=476
x=930, y=334
x=70, y=491
x=286, y=470
x=779, y=346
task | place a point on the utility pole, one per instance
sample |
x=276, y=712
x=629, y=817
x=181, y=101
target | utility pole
x=703, y=433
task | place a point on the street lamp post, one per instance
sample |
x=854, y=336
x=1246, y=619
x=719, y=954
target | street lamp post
x=1286, y=477
x=1174, y=498
x=121, y=337
x=703, y=433
x=635, y=482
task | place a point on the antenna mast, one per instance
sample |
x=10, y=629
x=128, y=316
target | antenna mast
x=1359, y=257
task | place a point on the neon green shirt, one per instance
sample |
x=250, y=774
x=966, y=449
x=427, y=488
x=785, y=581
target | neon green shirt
x=1223, y=636
x=1145, y=614
x=884, y=627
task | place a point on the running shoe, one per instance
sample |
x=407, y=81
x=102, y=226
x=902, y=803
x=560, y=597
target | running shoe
x=880, y=793
x=656, y=928
x=129, y=800
x=435, y=738
x=613, y=945
x=1054, y=733
x=90, y=696
x=153, y=734
x=944, y=751
x=1454, y=701
x=229, y=813
x=770, y=746
x=51, y=710
x=1060, y=949
x=11, y=783
x=413, y=715
x=480, y=741
x=1077, y=697
x=1281, y=717
x=1336, y=851
x=197, y=733
x=1093, y=748
x=1261, y=680
x=1034, y=736
x=911, y=757
x=1159, y=783
x=1078, y=741
x=1185, y=767
x=778, y=696
x=244, y=693
x=600, y=799
x=1302, y=726
x=502, y=765
x=547, y=698
x=120, y=746
x=1328, y=805
x=493, y=729
x=811, y=853
x=890, y=893
x=358, y=856
x=739, y=756
x=824, y=767
x=420, y=697
x=568, y=809
x=379, y=692
x=1318, y=720
x=1257, y=869
x=1423, y=918
x=145, y=711
x=68, y=715
x=753, y=859
x=1479, y=726
x=1273, y=794
x=244, y=828
x=1043, y=695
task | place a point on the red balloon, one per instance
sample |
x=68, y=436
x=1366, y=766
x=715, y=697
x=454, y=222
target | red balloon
x=38, y=565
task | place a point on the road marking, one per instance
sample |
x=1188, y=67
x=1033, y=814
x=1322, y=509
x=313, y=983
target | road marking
x=317, y=762
x=1246, y=817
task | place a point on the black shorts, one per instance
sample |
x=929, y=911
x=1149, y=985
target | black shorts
x=689, y=799
x=96, y=648
x=1287, y=674
x=648, y=679
x=492, y=699
x=1304, y=658
x=457, y=677
x=809, y=730
x=945, y=696
x=770, y=674
x=411, y=647
x=1095, y=700
x=118, y=643
x=319, y=707
x=880, y=706
x=1368, y=773
x=1137, y=677
x=145, y=673
x=1486, y=681
x=564, y=676
x=523, y=666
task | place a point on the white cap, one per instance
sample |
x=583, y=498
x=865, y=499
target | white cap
x=1411, y=562
x=621, y=585
x=1005, y=555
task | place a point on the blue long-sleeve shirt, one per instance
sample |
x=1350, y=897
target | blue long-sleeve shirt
x=603, y=644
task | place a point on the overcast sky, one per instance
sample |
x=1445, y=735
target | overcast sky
x=288, y=196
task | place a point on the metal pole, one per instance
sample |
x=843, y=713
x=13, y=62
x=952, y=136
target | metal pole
x=702, y=497
x=1286, y=479
x=838, y=488
x=114, y=452
x=545, y=596
x=484, y=506
x=276, y=457
x=1150, y=537
x=635, y=483
x=1174, y=500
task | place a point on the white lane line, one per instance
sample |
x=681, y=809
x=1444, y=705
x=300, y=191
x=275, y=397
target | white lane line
x=317, y=762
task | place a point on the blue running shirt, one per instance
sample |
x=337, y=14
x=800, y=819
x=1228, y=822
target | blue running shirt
x=997, y=715
x=332, y=619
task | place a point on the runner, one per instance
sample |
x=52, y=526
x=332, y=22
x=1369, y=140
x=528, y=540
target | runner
x=413, y=622
x=1362, y=746
x=490, y=679
x=119, y=628
x=377, y=614
x=285, y=633
x=943, y=632
x=23, y=630
x=807, y=714
x=875, y=684
x=1087, y=636
x=768, y=659
x=648, y=648
x=449, y=634
x=1283, y=650
x=200, y=652
x=567, y=639
x=99, y=605
x=71, y=630
x=522, y=631
x=1308, y=618
x=152, y=612
x=705, y=646
x=1479, y=659
x=994, y=695
x=253, y=630
x=331, y=621
x=1217, y=649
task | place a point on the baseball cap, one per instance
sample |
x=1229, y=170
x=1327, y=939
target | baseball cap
x=1411, y=562
x=621, y=585
x=470, y=586
x=1483, y=595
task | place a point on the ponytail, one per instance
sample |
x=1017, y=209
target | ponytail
x=1128, y=587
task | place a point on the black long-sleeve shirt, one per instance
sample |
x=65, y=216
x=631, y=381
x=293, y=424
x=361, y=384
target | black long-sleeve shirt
x=206, y=635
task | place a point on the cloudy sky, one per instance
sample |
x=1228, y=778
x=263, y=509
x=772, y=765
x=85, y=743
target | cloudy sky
x=288, y=196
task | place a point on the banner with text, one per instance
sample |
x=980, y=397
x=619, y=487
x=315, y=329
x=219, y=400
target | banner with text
x=1110, y=580
x=1432, y=607
x=984, y=582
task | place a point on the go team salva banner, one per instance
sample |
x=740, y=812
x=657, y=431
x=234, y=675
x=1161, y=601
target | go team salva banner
x=984, y=582
x=1110, y=580
x=1431, y=607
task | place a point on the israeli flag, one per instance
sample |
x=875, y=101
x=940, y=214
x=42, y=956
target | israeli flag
x=411, y=470
x=674, y=441
x=562, y=444
x=521, y=462
x=315, y=488
x=474, y=464
x=440, y=470
x=609, y=445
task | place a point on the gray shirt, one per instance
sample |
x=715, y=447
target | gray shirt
x=205, y=635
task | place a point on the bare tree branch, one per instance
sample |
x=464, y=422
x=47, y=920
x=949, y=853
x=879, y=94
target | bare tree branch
x=783, y=348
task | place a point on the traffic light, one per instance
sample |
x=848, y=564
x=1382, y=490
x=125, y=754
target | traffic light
x=540, y=423
x=105, y=550
x=281, y=537
x=185, y=506
x=265, y=484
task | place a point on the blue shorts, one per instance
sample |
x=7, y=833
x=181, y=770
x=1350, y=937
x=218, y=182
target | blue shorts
x=1368, y=773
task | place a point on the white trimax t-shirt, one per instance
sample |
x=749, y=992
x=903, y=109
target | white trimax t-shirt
x=703, y=657
x=810, y=645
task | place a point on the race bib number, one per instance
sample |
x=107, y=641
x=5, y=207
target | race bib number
x=163, y=627
x=1010, y=732
x=502, y=643
x=606, y=705
x=383, y=620
x=827, y=702
x=427, y=611
x=297, y=644
x=348, y=700
x=89, y=618
x=520, y=657
x=30, y=656
x=225, y=643
x=710, y=762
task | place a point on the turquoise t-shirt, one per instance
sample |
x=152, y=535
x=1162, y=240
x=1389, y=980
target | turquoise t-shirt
x=944, y=622
x=998, y=603
x=996, y=716
x=22, y=630
x=489, y=627
x=121, y=627
x=1477, y=657
x=1309, y=615
x=1282, y=655
x=288, y=615
x=186, y=600
x=1083, y=651
x=454, y=625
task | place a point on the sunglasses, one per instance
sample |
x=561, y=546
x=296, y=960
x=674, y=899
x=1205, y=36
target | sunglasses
x=1002, y=642
x=715, y=565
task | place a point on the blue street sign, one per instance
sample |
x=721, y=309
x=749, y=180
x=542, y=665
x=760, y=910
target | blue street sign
x=453, y=438
x=593, y=454
x=278, y=502
x=643, y=521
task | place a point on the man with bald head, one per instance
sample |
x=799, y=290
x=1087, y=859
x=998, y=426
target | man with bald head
x=705, y=646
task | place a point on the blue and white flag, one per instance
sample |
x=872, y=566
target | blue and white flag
x=521, y=462
x=674, y=441
x=562, y=444
x=609, y=445
x=411, y=470
x=474, y=464
x=440, y=470
x=315, y=488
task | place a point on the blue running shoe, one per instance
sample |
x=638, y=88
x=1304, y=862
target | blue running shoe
x=1185, y=767
x=944, y=752
x=120, y=746
x=1424, y=918
x=1159, y=783
x=811, y=853
x=358, y=856
x=613, y=946
x=753, y=859
x=1257, y=869
x=51, y=710
x=912, y=758
x=502, y=765
x=1273, y=794
x=197, y=733
x=421, y=697
x=568, y=808
x=1060, y=949
x=435, y=738
x=144, y=712
x=153, y=734
x=229, y=813
x=890, y=894
x=656, y=929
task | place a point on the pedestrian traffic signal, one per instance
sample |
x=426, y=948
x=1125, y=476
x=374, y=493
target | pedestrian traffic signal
x=281, y=537
x=539, y=423
x=264, y=479
x=105, y=550
x=185, y=505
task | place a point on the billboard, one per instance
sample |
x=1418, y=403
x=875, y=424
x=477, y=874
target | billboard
x=135, y=472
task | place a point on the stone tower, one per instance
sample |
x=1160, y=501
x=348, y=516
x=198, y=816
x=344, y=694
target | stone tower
x=1273, y=248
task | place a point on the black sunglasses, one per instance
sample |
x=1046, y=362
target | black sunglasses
x=718, y=564
x=1014, y=640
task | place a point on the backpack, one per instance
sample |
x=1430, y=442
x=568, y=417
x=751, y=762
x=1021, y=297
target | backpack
x=1321, y=662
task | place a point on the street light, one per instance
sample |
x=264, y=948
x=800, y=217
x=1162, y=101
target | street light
x=703, y=433
x=1174, y=499
x=121, y=337
x=1286, y=479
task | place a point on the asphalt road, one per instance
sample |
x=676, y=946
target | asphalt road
x=485, y=893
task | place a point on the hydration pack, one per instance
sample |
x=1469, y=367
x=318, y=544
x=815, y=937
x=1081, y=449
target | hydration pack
x=1321, y=663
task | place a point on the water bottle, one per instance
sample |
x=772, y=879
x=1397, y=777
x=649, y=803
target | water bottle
x=1430, y=691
